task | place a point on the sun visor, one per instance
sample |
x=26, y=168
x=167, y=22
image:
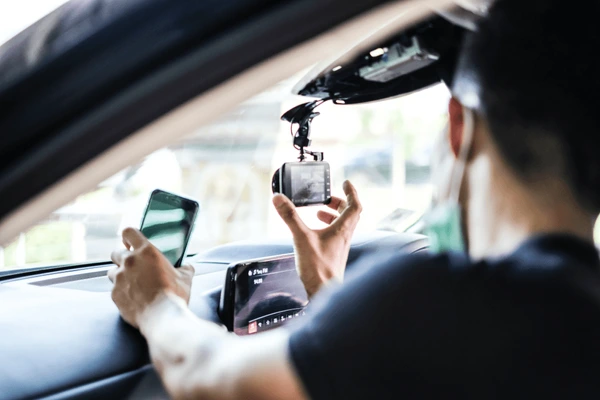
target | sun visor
x=417, y=58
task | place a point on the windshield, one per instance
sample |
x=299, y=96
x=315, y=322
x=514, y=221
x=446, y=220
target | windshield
x=383, y=148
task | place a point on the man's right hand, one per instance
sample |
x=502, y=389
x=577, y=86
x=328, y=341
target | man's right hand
x=321, y=255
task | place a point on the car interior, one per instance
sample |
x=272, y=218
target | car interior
x=105, y=101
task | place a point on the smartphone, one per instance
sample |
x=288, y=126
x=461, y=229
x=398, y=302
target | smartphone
x=168, y=223
x=261, y=295
x=304, y=183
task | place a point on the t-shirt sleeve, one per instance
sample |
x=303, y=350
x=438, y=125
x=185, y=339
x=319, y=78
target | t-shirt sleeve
x=377, y=332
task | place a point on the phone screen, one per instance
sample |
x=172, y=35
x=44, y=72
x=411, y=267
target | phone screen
x=168, y=223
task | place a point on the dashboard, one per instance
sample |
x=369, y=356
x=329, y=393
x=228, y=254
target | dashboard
x=62, y=337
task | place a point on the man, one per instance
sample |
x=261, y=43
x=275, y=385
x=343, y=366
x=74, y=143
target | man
x=519, y=318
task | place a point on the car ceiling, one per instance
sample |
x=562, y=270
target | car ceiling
x=89, y=76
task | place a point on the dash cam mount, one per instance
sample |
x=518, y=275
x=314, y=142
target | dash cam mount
x=302, y=116
x=304, y=182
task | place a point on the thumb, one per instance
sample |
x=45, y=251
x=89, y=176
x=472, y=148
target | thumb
x=287, y=212
x=351, y=215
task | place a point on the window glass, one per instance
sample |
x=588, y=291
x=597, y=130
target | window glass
x=383, y=148
x=15, y=16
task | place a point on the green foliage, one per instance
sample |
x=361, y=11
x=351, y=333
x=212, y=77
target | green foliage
x=10, y=255
x=411, y=132
x=47, y=243
x=597, y=231
x=416, y=132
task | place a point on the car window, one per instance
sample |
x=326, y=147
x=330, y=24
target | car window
x=383, y=148
x=15, y=16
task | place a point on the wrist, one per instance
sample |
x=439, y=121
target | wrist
x=164, y=304
x=313, y=286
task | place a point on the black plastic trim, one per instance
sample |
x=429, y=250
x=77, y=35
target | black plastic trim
x=10, y=275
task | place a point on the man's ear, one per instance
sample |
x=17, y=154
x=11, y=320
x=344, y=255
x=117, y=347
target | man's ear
x=456, y=125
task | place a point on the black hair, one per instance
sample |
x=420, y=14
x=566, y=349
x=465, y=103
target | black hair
x=536, y=71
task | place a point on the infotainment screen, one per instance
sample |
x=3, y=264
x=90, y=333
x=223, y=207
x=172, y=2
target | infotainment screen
x=263, y=295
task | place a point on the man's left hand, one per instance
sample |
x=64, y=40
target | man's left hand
x=143, y=275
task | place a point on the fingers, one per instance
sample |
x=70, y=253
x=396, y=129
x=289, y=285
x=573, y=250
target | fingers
x=118, y=256
x=112, y=274
x=326, y=217
x=287, y=212
x=351, y=215
x=352, y=196
x=126, y=244
x=338, y=204
x=133, y=238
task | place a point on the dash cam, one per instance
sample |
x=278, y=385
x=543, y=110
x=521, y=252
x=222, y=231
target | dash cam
x=304, y=183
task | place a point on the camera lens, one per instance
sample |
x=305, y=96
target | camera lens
x=275, y=182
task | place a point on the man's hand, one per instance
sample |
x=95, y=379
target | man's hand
x=321, y=255
x=143, y=276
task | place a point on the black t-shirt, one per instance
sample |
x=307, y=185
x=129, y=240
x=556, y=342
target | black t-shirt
x=421, y=326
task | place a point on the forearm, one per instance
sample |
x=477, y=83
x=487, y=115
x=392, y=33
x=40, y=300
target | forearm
x=198, y=360
x=184, y=350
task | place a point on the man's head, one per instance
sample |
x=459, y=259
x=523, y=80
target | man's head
x=531, y=75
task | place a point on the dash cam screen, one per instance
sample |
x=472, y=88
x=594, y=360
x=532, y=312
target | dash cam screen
x=167, y=225
x=308, y=183
x=267, y=295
